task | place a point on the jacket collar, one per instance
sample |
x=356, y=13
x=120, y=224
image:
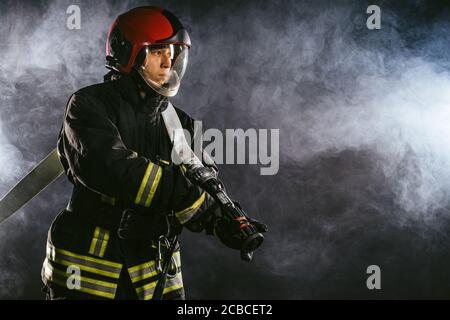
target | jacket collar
x=128, y=85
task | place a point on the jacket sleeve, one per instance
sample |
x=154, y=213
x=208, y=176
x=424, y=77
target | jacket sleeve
x=98, y=158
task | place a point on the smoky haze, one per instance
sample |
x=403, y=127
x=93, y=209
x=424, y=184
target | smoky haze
x=364, y=154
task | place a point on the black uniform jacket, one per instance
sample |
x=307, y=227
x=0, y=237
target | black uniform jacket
x=115, y=150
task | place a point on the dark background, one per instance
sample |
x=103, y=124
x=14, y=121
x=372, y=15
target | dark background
x=364, y=124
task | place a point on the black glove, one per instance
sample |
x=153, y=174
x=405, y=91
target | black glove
x=229, y=231
x=261, y=227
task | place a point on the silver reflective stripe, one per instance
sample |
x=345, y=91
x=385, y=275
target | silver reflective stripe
x=148, y=269
x=177, y=257
x=99, y=242
x=146, y=292
x=88, y=263
x=83, y=283
x=148, y=186
x=186, y=214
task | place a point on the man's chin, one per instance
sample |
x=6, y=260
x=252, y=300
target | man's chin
x=159, y=81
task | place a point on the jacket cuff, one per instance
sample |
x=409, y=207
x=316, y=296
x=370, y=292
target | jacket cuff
x=188, y=213
x=148, y=185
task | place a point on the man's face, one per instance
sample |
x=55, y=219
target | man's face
x=157, y=64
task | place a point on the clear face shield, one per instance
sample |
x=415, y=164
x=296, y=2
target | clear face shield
x=163, y=67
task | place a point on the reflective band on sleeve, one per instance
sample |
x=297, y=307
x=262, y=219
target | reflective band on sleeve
x=148, y=269
x=185, y=215
x=99, y=242
x=146, y=292
x=87, y=285
x=86, y=263
x=148, y=185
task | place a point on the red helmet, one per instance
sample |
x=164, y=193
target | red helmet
x=133, y=32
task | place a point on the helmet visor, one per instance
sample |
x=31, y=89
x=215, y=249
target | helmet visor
x=164, y=67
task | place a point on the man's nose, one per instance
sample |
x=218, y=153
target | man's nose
x=165, y=61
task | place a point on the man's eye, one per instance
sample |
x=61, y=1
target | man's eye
x=156, y=53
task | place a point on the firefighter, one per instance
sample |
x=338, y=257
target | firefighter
x=128, y=195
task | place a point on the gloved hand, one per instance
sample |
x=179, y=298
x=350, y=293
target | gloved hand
x=229, y=231
x=261, y=227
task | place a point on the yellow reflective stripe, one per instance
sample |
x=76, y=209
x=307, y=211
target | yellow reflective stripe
x=94, y=241
x=165, y=161
x=148, y=185
x=195, y=205
x=147, y=269
x=104, y=244
x=178, y=284
x=79, y=256
x=147, y=286
x=141, y=266
x=177, y=258
x=172, y=288
x=142, y=271
x=144, y=276
x=186, y=214
x=94, y=281
x=86, y=268
x=149, y=264
x=153, y=188
x=86, y=263
x=98, y=293
x=143, y=183
x=99, y=242
x=86, y=290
